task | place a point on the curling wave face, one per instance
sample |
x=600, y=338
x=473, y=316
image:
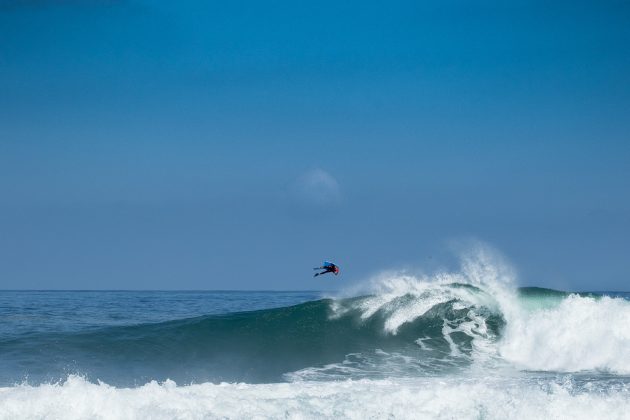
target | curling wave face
x=266, y=345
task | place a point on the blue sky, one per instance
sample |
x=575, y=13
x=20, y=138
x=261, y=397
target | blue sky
x=235, y=145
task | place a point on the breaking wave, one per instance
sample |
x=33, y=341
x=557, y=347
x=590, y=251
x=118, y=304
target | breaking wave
x=403, y=326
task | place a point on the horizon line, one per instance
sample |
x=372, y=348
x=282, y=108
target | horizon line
x=263, y=290
x=159, y=290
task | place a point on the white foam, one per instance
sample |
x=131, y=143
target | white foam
x=581, y=333
x=419, y=399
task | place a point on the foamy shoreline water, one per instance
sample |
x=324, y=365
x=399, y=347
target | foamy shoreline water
x=430, y=398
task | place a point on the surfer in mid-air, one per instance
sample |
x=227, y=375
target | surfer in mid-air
x=328, y=267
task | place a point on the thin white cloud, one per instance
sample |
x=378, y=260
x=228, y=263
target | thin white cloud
x=317, y=187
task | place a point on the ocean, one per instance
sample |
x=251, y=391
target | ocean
x=459, y=345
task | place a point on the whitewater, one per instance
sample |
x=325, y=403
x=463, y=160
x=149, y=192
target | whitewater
x=465, y=344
